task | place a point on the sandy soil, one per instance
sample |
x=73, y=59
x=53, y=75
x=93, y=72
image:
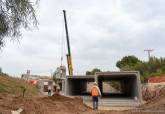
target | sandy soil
x=58, y=104
x=44, y=105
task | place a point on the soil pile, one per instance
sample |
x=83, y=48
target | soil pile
x=155, y=105
x=152, y=91
x=157, y=102
x=44, y=105
x=58, y=104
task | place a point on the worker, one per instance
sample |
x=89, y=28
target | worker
x=58, y=89
x=49, y=90
x=95, y=93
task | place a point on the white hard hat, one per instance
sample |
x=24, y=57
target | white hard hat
x=94, y=83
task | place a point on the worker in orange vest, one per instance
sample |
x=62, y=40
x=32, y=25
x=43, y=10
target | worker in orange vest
x=95, y=92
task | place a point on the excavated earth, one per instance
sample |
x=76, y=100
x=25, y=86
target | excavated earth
x=43, y=105
x=58, y=104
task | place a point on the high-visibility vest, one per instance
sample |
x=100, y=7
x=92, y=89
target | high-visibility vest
x=94, y=91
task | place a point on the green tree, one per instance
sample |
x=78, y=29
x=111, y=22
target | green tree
x=155, y=66
x=93, y=72
x=14, y=15
x=88, y=73
x=128, y=63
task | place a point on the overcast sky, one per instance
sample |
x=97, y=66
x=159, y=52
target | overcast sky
x=101, y=33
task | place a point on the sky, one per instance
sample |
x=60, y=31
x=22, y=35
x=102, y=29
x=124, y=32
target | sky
x=101, y=32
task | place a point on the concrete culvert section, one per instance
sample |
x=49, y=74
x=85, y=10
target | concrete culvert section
x=117, y=88
x=120, y=86
x=79, y=85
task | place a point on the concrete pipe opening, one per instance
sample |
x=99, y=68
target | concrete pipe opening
x=79, y=86
x=119, y=85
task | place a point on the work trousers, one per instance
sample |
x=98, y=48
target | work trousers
x=95, y=102
x=49, y=92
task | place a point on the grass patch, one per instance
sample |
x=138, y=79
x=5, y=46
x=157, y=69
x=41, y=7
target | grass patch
x=17, y=86
x=2, y=88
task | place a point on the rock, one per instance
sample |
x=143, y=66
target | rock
x=17, y=111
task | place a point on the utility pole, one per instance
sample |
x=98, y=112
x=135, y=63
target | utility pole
x=149, y=51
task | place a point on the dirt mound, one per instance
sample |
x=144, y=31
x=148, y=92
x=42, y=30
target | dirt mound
x=60, y=98
x=43, y=105
x=157, y=102
x=153, y=106
x=152, y=91
x=64, y=105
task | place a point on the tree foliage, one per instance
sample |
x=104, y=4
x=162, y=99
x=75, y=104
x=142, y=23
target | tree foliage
x=93, y=72
x=15, y=14
x=155, y=66
x=127, y=62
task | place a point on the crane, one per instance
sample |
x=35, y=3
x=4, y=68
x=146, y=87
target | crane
x=60, y=73
x=69, y=57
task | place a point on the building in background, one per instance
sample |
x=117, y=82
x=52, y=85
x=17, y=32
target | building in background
x=32, y=79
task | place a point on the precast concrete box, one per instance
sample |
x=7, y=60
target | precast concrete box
x=78, y=85
x=117, y=88
x=120, y=86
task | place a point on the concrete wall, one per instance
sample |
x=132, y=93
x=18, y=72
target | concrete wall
x=130, y=85
x=78, y=85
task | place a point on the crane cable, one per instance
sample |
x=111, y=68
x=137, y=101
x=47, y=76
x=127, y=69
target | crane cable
x=62, y=43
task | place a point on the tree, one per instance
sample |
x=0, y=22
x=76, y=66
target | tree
x=128, y=63
x=155, y=66
x=14, y=15
x=88, y=73
x=93, y=72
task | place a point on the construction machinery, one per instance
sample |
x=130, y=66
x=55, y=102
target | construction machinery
x=61, y=71
x=69, y=57
x=60, y=74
